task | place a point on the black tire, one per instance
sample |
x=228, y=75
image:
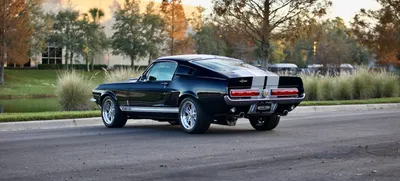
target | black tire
x=173, y=122
x=265, y=123
x=119, y=120
x=202, y=121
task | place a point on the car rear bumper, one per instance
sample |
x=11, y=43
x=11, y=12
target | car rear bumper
x=248, y=102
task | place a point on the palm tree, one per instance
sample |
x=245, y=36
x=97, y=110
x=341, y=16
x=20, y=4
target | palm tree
x=93, y=17
x=96, y=14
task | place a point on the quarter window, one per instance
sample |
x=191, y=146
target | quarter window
x=162, y=71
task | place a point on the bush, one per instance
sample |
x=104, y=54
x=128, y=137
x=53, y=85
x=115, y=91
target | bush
x=74, y=91
x=121, y=74
x=311, y=86
x=138, y=68
x=364, y=83
x=75, y=66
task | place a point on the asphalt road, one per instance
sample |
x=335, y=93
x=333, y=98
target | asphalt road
x=330, y=146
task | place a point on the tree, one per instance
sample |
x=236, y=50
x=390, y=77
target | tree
x=262, y=19
x=95, y=40
x=129, y=37
x=176, y=23
x=379, y=30
x=42, y=25
x=67, y=33
x=15, y=33
x=209, y=41
x=154, y=32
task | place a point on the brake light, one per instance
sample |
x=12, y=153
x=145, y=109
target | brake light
x=244, y=93
x=285, y=92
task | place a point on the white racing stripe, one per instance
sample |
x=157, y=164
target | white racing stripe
x=258, y=83
x=272, y=79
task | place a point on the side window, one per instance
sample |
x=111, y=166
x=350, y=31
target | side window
x=162, y=71
x=184, y=70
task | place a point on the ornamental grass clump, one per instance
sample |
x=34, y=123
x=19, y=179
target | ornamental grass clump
x=326, y=88
x=386, y=84
x=121, y=74
x=74, y=91
x=311, y=87
x=363, y=83
x=343, y=87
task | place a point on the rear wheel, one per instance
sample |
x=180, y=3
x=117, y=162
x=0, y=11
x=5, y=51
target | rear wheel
x=192, y=117
x=264, y=123
x=111, y=114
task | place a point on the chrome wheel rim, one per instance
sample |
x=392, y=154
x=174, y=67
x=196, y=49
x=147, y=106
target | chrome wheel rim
x=188, y=115
x=108, y=111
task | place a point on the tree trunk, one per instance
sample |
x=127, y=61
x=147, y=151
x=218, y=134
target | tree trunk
x=133, y=62
x=265, y=34
x=92, y=62
x=172, y=45
x=66, y=58
x=149, y=61
x=1, y=73
x=87, y=63
x=71, y=58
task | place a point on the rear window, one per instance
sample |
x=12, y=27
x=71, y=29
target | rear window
x=184, y=70
x=227, y=65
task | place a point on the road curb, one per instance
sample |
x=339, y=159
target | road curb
x=355, y=107
x=68, y=123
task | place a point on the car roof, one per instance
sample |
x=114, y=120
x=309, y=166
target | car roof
x=192, y=57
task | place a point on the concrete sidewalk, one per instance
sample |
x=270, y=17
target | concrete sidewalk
x=51, y=124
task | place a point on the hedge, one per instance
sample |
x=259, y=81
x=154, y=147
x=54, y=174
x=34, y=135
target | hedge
x=75, y=66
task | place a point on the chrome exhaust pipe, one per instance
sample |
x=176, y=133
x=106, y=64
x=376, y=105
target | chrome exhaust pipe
x=285, y=113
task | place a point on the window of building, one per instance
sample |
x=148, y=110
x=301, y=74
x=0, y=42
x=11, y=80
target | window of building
x=52, y=55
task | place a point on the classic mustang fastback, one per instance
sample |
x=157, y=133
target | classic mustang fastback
x=198, y=90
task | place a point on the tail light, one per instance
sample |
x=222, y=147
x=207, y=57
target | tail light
x=244, y=93
x=285, y=92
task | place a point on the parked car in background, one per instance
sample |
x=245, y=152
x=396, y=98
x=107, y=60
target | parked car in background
x=198, y=90
x=286, y=68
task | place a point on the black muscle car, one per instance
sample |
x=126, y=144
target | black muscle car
x=198, y=90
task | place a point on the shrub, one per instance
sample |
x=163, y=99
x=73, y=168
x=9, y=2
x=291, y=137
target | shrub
x=343, y=87
x=121, y=74
x=74, y=91
x=75, y=66
x=311, y=86
x=364, y=83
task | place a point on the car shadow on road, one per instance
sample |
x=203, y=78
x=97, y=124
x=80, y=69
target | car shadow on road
x=213, y=130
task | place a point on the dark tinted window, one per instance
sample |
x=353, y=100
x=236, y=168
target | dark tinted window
x=227, y=65
x=184, y=70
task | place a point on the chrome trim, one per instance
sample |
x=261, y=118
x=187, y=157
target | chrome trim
x=288, y=100
x=93, y=100
x=149, y=109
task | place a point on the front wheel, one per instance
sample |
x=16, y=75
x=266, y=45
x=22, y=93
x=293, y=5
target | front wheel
x=264, y=123
x=111, y=114
x=192, y=117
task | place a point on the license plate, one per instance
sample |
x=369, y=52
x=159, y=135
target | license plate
x=264, y=106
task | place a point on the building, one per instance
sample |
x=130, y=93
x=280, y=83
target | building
x=55, y=55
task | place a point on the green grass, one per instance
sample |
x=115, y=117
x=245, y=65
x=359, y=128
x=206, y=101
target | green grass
x=347, y=102
x=30, y=105
x=36, y=83
x=15, y=117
